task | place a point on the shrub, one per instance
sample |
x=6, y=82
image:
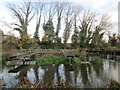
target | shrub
x=96, y=60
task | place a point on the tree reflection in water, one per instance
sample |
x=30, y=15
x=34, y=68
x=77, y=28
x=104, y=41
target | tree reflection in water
x=78, y=75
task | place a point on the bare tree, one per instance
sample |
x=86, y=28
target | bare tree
x=75, y=37
x=68, y=24
x=49, y=11
x=24, y=15
x=100, y=29
x=39, y=9
x=86, y=22
x=60, y=8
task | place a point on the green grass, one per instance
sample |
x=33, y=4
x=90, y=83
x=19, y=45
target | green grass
x=96, y=60
x=50, y=59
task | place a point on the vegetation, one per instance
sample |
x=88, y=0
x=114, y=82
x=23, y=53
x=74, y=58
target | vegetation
x=58, y=26
x=88, y=30
x=76, y=60
x=25, y=83
x=0, y=61
x=11, y=64
x=96, y=60
x=50, y=59
x=114, y=84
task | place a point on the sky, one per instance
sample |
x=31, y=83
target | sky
x=108, y=7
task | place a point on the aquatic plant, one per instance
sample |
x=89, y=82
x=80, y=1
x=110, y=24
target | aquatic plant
x=11, y=64
x=76, y=60
x=96, y=60
x=50, y=59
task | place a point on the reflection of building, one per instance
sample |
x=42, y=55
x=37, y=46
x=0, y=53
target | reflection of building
x=119, y=17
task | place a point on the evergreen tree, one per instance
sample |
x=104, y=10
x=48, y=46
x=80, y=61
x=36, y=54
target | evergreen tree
x=49, y=32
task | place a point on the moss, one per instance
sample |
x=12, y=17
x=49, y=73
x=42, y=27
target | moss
x=96, y=60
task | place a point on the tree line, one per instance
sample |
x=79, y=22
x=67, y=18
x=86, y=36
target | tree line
x=84, y=28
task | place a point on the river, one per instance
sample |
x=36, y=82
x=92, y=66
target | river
x=80, y=75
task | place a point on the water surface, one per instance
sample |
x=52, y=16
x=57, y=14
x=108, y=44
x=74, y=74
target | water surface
x=79, y=75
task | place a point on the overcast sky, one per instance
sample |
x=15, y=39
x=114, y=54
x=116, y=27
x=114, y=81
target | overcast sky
x=109, y=7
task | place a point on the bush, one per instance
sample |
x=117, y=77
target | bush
x=96, y=60
x=50, y=59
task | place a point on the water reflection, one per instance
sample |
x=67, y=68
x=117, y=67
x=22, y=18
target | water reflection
x=79, y=75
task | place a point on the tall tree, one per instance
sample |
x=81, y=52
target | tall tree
x=86, y=22
x=49, y=32
x=48, y=27
x=39, y=8
x=24, y=15
x=60, y=8
x=68, y=24
x=112, y=40
x=75, y=37
x=100, y=29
